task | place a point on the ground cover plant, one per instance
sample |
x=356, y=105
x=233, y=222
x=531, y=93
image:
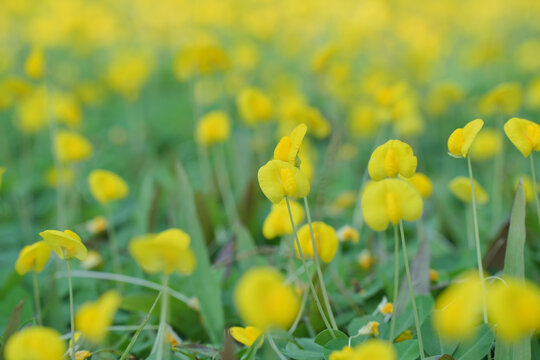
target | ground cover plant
x=233, y=179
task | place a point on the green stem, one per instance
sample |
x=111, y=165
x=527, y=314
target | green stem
x=318, y=266
x=411, y=290
x=535, y=187
x=311, y=286
x=396, y=284
x=225, y=187
x=300, y=312
x=37, y=303
x=71, y=310
x=141, y=328
x=477, y=240
x=160, y=338
x=112, y=241
x=274, y=347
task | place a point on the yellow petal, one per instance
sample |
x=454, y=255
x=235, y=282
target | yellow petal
x=35, y=342
x=368, y=350
x=33, y=258
x=213, y=128
x=71, y=147
x=279, y=178
x=67, y=245
x=422, y=183
x=278, y=223
x=93, y=318
x=524, y=134
x=469, y=132
x=390, y=159
x=247, y=335
x=461, y=188
x=326, y=241
x=107, y=186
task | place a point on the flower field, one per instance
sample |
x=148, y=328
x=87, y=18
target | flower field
x=269, y=179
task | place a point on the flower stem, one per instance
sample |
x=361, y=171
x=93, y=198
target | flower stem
x=37, y=303
x=311, y=286
x=159, y=345
x=71, y=310
x=477, y=240
x=112, y=241
x=411, y=290
x=535, y=187
x=300, y=312
x=396, y=284
x=318, y=266
x=141, y=328
x=274, y=347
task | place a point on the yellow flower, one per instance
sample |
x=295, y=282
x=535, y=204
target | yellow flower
x=67, y=245
x=371, y=328
x=505, y=98
x=524, y=134
x=106, y=186
x=96, y=225
x=31, y=113
x=348, y=233
x=461, y=188
x=487, y=145
x=166, y=252
x=34, y=65
x=363, y=121
x=366, y=259
x=461, y=139
x=458, y=309
x=288, y=147
x=404, y=336
x=93, y=318
x=514, y=308
x=213, y=128
x=65, y=177
x=2, y=171
x=385, y=307
x=368, y=350
x=318, y=125
x=247, y=335
x=278, y=223
x=422, y=183
x=33, y=258
x=201, y=59
x=67, y=109
x=278, y=179
x=390, y=159
x=82, y=354
x=264, y=300
x=443, y=96
x=36, y=343
x=254, y=106
x=390, y=200
x=128, y=72
x=71, y=147
x=433, y=275
x=92, y=261
x=326, y=241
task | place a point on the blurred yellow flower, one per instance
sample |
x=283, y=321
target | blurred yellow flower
x=278, y=179
x=31, y=115
x=93, y=318
x=289, y=145
x=390, y=200
x=368, y=350
x=371, y=328
x=433, y=275
x=107, y=186
x=443, y=96
x=326, y=241
x=213, y=128
x=64, y=178
x=166, y=252
x=404, y=336
x=514, y=308
x=33, y=258
x=390, y=159
x=422, y=183
x=318, y=125
x=82, y=354
x=66, y=109
x=278, y=223
x=488, y=144
x=524, y=134
x=96, y=225
x=92, y=261
x=363, y=121
x=36, y=343
x=34, y=65
x=71, y=147
x=461, y=139
x=254, y=105
x=461, y=188
x=67, y=245
x=505, y=98
x=348, y=233
x=366, y=259
x=247, y=335
x=458, y=310
x=264, y=300
x=202, y=59
x=128, y=72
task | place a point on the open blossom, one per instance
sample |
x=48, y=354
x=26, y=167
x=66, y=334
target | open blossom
x=289, y=145
x=461, y=188
x=326, y=241
x=33, y=258
x=461, y=140
x=93, y=318
x=390, y=159
x=278, y=223
x=107, y=186
x=254, y=105
x=278, y=179
x=524, y=134
x=66, y=244
x=213, y=128
x=36, y=343
x=71, y=147
x=247, y=335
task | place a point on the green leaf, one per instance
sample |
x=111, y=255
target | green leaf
x=205, y=282
x=408, y=350
x=405, y=320
x=433, y=345
x=325, y=336
x=478, y=347
x=514, y=261
x=12, y=325
x=294, y=351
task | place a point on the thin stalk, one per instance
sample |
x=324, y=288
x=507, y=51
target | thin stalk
x=225, y=187
x=477, y=240
x=318, y=266
x=396, y=284
x=159, y=345
x=141, y=328
x=411, y=290
x=300, y=312
x=311, y=286
x=71, y=310
x=535, y=187
x=274, y=347
x=36, y=299
x=112, y=241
